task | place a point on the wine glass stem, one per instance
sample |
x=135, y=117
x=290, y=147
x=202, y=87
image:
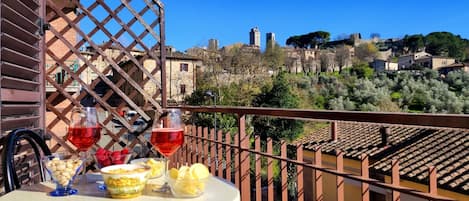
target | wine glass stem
x=165, y=187
x=166, y=171
x=83, y=157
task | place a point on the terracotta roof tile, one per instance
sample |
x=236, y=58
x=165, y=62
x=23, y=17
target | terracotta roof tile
x=356, y=139
x=447, y=150
x=417, y=149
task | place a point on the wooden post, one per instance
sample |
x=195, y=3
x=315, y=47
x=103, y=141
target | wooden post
x=365, y=174
x=220, y=154
x=244, y=159
x=213, y=152
x=257, y=147
x=432, y=187
x=236, y=162
x=299, y=173
x=194, y=140
x=205, y=145
x=318, y=176
x=228, y=157
x=270, y=172
x=185, y=151
x=340, y=180
x=283, y=169
x=395, y=181
x=200, y=145
x=164, y=101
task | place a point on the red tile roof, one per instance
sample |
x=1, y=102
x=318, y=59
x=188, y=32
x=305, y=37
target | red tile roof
x=356, y=139
x=447, y=150
x=416, y=148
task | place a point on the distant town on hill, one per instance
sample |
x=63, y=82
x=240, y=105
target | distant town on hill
x=416, y=73
x=315, y=52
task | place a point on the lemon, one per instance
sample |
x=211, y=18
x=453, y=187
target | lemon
x=186, y=187
x=199, y=171
x=156, y=167
x=183, y=172
x=151, y=162
x=173, y=173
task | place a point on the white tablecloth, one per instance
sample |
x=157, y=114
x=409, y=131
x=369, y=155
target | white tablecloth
x=216, y=189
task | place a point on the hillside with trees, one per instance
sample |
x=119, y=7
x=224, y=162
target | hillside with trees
x=438, y=43
x=243, y=76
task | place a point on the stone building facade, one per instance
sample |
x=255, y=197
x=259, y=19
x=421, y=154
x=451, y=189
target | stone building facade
x=58, y=49
x=181, y=71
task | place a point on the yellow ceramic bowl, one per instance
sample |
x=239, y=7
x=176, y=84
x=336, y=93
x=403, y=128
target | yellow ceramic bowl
x=125, y=181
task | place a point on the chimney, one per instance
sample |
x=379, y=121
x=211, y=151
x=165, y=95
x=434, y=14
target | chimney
x=385, y=133
x=334, y=131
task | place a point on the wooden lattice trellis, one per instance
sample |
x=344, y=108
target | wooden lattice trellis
x=123, y=38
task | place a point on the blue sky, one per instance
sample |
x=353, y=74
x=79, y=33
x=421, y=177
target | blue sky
x=192, y=22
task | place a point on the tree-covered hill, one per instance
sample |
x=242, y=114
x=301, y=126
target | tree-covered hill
x=358, y=89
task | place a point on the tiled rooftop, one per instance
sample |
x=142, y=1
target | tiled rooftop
x=416, y=148
x=356, y=139
x=447, y=150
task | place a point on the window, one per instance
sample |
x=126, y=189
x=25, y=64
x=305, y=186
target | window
x=75, y=66
x=183, y=89
x=60, y=76
x=184, y=67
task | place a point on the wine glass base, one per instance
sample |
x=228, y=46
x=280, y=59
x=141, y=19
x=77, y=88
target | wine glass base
x=163, y=189
x=101, y=186
x=63, y=192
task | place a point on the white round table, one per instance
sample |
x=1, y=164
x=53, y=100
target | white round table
x=216, y=189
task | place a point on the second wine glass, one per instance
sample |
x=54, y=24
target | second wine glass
x=167, y=136
x=84, y=130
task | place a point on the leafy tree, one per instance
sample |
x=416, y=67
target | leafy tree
x=279, y=96
x=466, y=52
x=242, y=60
x=324, y=61
x=430, y=74
x=342, y=56
x=414, y=42
x=239, y=94
x=367, y=96
x=457, y=80
x=234, y=94
x=366, y=52
x=341, y=103
x=317, y=38
x=445, y=44
x=362, y=70
x=298, y=41
x=387, y=105
x=274, y=57
x=309, y=40
x=214, y=66
x=198, y=98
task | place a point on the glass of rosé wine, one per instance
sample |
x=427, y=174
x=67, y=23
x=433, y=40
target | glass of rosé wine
x=84, y=131
x=167, y=136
